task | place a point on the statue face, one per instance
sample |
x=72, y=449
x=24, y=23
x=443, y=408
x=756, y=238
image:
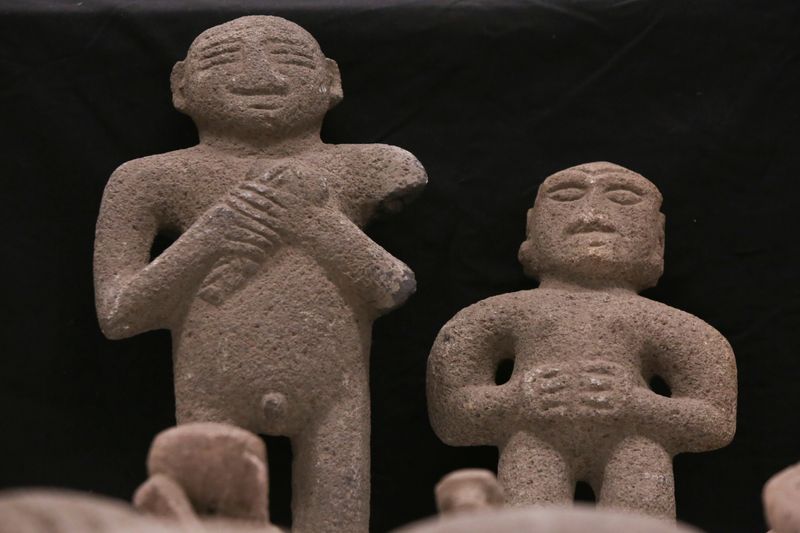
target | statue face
x=259, y=75
x=596, y=223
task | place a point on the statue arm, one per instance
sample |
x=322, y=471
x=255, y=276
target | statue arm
x=132, y=293
x=384, y=179
x=465, y=406
x=699, y=366
x=355, y=261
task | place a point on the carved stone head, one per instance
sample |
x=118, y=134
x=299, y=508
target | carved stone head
x=469, y=489
x=256, y=76
x=221, y=468
x=596, y=224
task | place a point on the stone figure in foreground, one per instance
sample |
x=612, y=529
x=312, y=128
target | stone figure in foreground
x=206, y=469
x=584, y=347
x=63, y=511
x=466, y=490
x=782, y=501
x=577, y=519
x=271, y=287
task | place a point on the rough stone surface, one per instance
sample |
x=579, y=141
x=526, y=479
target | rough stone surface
x=271, y=288
x=584, y=348
x=469, y=489
x=578, y=519
x=782, y=500
x=59, y=511
x=206, y=469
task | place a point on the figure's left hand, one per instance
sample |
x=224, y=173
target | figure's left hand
x=604, y=388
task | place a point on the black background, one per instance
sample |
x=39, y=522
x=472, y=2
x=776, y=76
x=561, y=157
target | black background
x=703, y=98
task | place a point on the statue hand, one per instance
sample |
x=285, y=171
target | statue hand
x=604, y=388
x=242, y=244
x=283, y=199
x=547, y=391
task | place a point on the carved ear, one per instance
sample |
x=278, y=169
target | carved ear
x=334, y=82
x=661, y=234
x=176, y=81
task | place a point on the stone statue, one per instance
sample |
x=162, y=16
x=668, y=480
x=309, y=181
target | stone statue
x=206, y=468
x=63, y=511
x=782, y=501
x=537, y=519
x=469, y=489
x=584, y=347
x=271, y=288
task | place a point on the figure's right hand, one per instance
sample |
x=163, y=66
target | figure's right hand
x=547, y=391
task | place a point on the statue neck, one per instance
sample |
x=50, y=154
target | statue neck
x=566, y=283
x=261, y=145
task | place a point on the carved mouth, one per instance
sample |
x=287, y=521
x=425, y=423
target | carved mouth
x=593, y=226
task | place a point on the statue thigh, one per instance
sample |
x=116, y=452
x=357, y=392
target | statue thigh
x=531, y=471
x=638, y=477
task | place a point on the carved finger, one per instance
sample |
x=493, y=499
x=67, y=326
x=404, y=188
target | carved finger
x=259, y=228
x=253, y=213
x=253, y=239
x=236, y=250
x=552, y=385
x=600, y=401
x=601, y=367
x=598, y=384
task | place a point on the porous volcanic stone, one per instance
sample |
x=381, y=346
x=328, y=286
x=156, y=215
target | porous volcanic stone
x=577, y=519
x=60, y=511
x=206, y=468
x=469, y=489
x=782, y=500
x=271, y=287
x=584, y=348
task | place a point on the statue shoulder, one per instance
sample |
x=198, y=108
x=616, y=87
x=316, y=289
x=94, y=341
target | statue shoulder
x=502, y=309
x=672, y=321
x=380, y=159
x=153, y=167
x=375, y=178
x=148, y=176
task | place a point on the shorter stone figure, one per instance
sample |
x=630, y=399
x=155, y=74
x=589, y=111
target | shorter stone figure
x=578, y=519
x=470, y=489
x=782, y=501
x=585, y=347
x=206, y=470
x=62, y=511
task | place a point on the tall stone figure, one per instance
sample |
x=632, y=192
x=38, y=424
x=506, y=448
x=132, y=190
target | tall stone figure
x=271, y=288
x=584, y=347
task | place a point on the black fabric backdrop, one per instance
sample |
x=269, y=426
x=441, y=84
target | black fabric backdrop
x=702, y=98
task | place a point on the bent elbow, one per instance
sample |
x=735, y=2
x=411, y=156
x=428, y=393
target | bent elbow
x=113, y=328
x=116, y=322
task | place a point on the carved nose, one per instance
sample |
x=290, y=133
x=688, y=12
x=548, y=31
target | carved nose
x=259, y=78
x=590, y=220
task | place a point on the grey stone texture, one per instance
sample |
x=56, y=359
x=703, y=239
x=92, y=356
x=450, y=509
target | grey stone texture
x=271, y=288
x=468, y=490
x=781, y=498
x=550, y=519
x=584, y=347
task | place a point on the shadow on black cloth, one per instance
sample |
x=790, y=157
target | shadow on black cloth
x=701, y=98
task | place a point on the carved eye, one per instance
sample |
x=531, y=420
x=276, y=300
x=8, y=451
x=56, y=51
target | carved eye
x=567, y=194
x=624, y=197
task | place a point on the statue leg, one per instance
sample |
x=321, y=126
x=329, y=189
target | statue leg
x=331, y=470
x=531, y=471
x=638, y=477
